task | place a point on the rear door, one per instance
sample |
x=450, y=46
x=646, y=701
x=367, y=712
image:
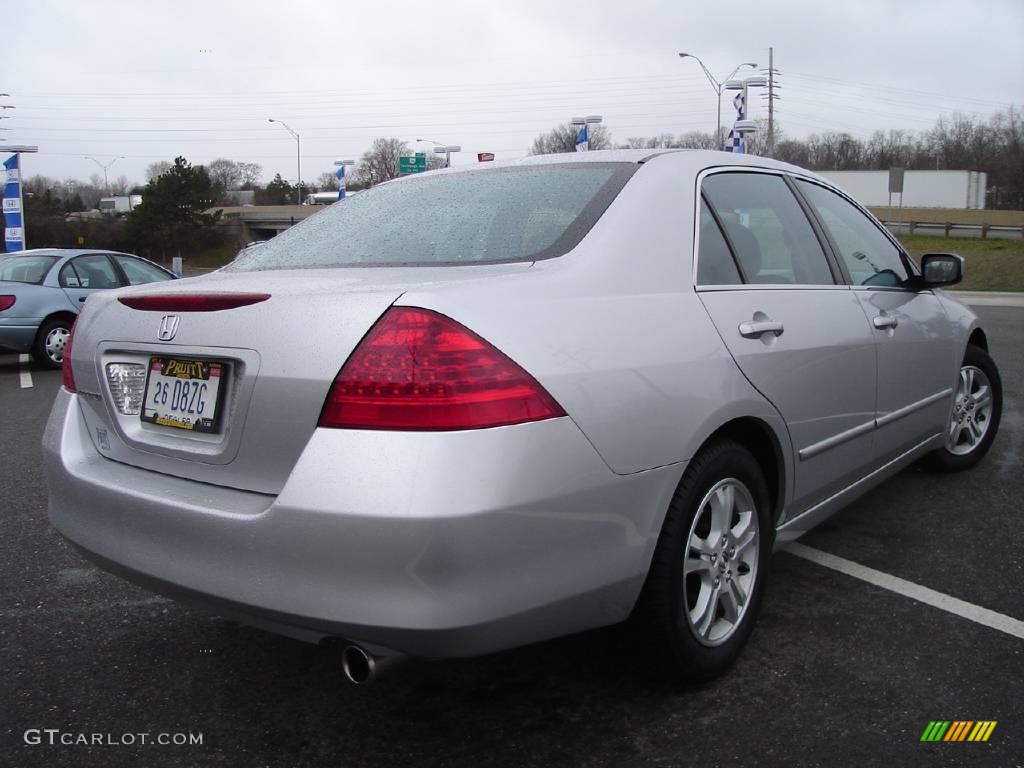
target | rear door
x=917, y=353
x=795, y=330
x=83, y=275
x=139, y=272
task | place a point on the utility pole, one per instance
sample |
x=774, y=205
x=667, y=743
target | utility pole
x=772, y=96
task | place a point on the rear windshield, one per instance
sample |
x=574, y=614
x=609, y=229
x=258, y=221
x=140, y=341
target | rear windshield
x=481, y=217
x=26, y=269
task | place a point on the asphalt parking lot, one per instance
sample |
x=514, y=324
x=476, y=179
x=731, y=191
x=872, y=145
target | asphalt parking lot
x=839, y=672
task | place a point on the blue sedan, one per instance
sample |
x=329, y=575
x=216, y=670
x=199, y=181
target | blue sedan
x=43, y=290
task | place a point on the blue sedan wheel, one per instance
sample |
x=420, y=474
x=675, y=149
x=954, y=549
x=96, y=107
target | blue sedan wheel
x=51, y=342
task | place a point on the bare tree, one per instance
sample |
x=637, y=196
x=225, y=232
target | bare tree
x=159, y=168
x=562, y=138
x=121, y=185
x=697, y=140
x=380, y=162
x=327, y=182
x=225, y=174
x=251, y=173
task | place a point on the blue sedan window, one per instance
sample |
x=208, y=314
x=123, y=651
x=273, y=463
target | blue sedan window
x=26, y=269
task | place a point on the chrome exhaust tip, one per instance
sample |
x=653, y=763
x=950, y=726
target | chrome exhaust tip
x=362, y=667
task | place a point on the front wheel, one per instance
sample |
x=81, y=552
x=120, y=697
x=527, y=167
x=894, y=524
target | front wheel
x=974, y=420
x=706, y=582
x=50, y=343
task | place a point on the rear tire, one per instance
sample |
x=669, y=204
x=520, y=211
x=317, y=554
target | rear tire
x=50, y=343
x=707, y=579
x=977, y=409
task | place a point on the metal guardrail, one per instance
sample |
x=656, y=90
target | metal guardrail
x=949, y=229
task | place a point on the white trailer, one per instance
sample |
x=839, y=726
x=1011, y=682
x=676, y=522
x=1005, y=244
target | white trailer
x=921, y=189
x=119, y=203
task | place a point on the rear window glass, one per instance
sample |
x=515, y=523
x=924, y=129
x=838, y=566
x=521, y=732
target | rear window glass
x=481, y=217
x=25, y=269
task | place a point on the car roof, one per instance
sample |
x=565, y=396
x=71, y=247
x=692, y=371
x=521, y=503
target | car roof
x=63, y=252
x=695, y=159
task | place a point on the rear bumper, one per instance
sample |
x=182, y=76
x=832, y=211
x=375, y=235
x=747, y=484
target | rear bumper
x=17, y=337
x=432, y=544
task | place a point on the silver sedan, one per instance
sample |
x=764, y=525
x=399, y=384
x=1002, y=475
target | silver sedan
x=474, y=409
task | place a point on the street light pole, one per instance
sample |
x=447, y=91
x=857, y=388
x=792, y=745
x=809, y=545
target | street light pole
x=440, y=148
x=104, y=167
x=718, y=85
x=298, y=159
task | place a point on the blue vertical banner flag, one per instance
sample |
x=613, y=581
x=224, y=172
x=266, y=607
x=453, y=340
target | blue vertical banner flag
x=736, y=143
x=14, y=227
x=340, y=174
x=582, y=139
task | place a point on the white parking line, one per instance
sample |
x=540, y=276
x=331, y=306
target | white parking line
x=976, y=613
x=23, y=371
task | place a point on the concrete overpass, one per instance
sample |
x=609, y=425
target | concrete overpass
x=247, y=223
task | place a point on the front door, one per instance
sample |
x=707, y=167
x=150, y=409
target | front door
x=917, y=355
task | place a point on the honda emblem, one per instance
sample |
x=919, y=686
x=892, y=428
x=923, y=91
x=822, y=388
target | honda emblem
x=168, y=327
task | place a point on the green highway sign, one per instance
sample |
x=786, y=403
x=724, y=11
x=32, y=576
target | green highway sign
x=412, y=164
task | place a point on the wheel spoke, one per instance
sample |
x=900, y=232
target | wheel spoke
x=982, y=398
x=975, y=430
x=701, y=546
x=696, y=565
x=968, y=430
x=707, y=615
x=954, y=433
x=731, y=601
x=745, y=534
x=968, y=376
x=722, y=504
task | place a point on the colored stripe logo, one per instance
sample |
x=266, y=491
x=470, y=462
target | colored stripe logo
x=958, y=730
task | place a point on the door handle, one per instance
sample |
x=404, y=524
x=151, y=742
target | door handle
x=882, y=322
x=753, y=329
x=82, y=298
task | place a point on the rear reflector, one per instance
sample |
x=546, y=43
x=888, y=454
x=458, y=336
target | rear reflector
x=192, y=302
x=65, y=364
x=419, y=370
x=6, y=302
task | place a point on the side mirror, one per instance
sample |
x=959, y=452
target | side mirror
x=939, y=269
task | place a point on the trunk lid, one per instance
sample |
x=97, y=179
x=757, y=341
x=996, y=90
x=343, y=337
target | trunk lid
x=279, y=358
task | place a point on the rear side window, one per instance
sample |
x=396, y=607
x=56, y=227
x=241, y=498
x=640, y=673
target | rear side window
x=139, y=272
x=767, y=229
x=478, y=217
x=26, y=269
x=869, y=255
x=715, y=264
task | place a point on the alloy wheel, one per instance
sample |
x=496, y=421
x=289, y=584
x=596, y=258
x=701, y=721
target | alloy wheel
x=720, y=566
x=972, y=411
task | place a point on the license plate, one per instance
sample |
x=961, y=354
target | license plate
x=184, y=394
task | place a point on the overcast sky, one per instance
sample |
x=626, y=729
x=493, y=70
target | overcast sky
x=133, y=78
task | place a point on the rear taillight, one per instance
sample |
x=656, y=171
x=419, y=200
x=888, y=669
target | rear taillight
x=419, y=370
x=192, y=302
x=65, y=365
x=7, y=301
